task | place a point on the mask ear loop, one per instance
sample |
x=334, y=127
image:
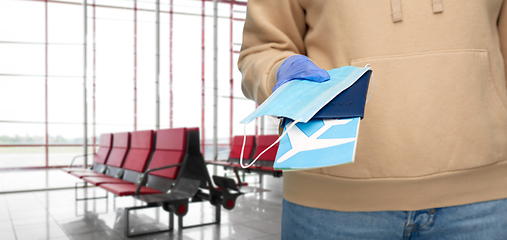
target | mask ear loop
x=273, y=144
x=372, y=82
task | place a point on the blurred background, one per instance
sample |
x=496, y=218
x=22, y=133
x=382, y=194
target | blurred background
x=55, y=56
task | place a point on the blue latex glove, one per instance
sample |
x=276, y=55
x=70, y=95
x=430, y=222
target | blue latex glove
x=299, y=67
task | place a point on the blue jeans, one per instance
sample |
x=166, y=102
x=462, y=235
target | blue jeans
x=484, y=220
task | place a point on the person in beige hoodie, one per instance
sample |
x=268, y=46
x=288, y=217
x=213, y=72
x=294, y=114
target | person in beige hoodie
x=434, y=134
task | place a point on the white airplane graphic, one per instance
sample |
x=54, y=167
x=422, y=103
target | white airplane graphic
x=300, y=142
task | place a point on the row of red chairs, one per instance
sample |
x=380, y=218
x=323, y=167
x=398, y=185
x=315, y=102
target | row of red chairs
x=163, y=168
x=123, y=157
x=254, y=146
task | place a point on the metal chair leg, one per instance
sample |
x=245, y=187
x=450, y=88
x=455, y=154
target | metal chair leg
x=180, y=222
x=217, y=219
x=127, y=220
x=126, y=213
x=171, y=221
x=86, y=187
x=218, y=213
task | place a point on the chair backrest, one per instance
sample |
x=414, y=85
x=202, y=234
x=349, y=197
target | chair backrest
x=263, y=142
x=237, y=144
x=118, y=153
x=104, y=148
x=170, y=149
x=141, y=146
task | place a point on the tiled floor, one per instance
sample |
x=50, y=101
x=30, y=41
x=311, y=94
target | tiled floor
x=55, y=215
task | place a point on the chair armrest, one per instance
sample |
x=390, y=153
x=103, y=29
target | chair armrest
x=73, y=159
x=144, y=177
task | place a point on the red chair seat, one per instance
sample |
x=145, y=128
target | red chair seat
x=81, y=174
x=97, y=181
x=237, y=165
x=270, y=169
x=226, y=165
x=127, y=189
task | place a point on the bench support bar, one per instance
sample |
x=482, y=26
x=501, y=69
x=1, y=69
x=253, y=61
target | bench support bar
x=217, y=219
x=85, y=186
x=126, y=214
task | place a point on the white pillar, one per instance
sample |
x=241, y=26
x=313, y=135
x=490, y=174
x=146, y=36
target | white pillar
x=157, y=67
x=215, y=78
x=85, y=40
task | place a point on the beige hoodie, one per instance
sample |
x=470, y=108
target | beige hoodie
x=435, y=128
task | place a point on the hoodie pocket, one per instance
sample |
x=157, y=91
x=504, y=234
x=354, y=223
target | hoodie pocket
x=429, y=113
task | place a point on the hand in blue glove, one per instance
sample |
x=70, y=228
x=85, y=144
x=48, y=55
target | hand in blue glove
x=299, y=67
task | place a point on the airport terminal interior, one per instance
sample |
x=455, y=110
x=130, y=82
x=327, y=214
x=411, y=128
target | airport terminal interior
x=120, y=119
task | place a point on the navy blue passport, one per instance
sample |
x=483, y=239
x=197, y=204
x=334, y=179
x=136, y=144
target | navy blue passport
x=350, y=103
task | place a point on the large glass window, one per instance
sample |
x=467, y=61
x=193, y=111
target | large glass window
x=42, y=74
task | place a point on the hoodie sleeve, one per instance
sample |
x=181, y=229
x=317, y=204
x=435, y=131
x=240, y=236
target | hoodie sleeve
x=502, y=31
x=274, y=30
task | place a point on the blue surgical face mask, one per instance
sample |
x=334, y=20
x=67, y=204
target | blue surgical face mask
x=299, y=101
